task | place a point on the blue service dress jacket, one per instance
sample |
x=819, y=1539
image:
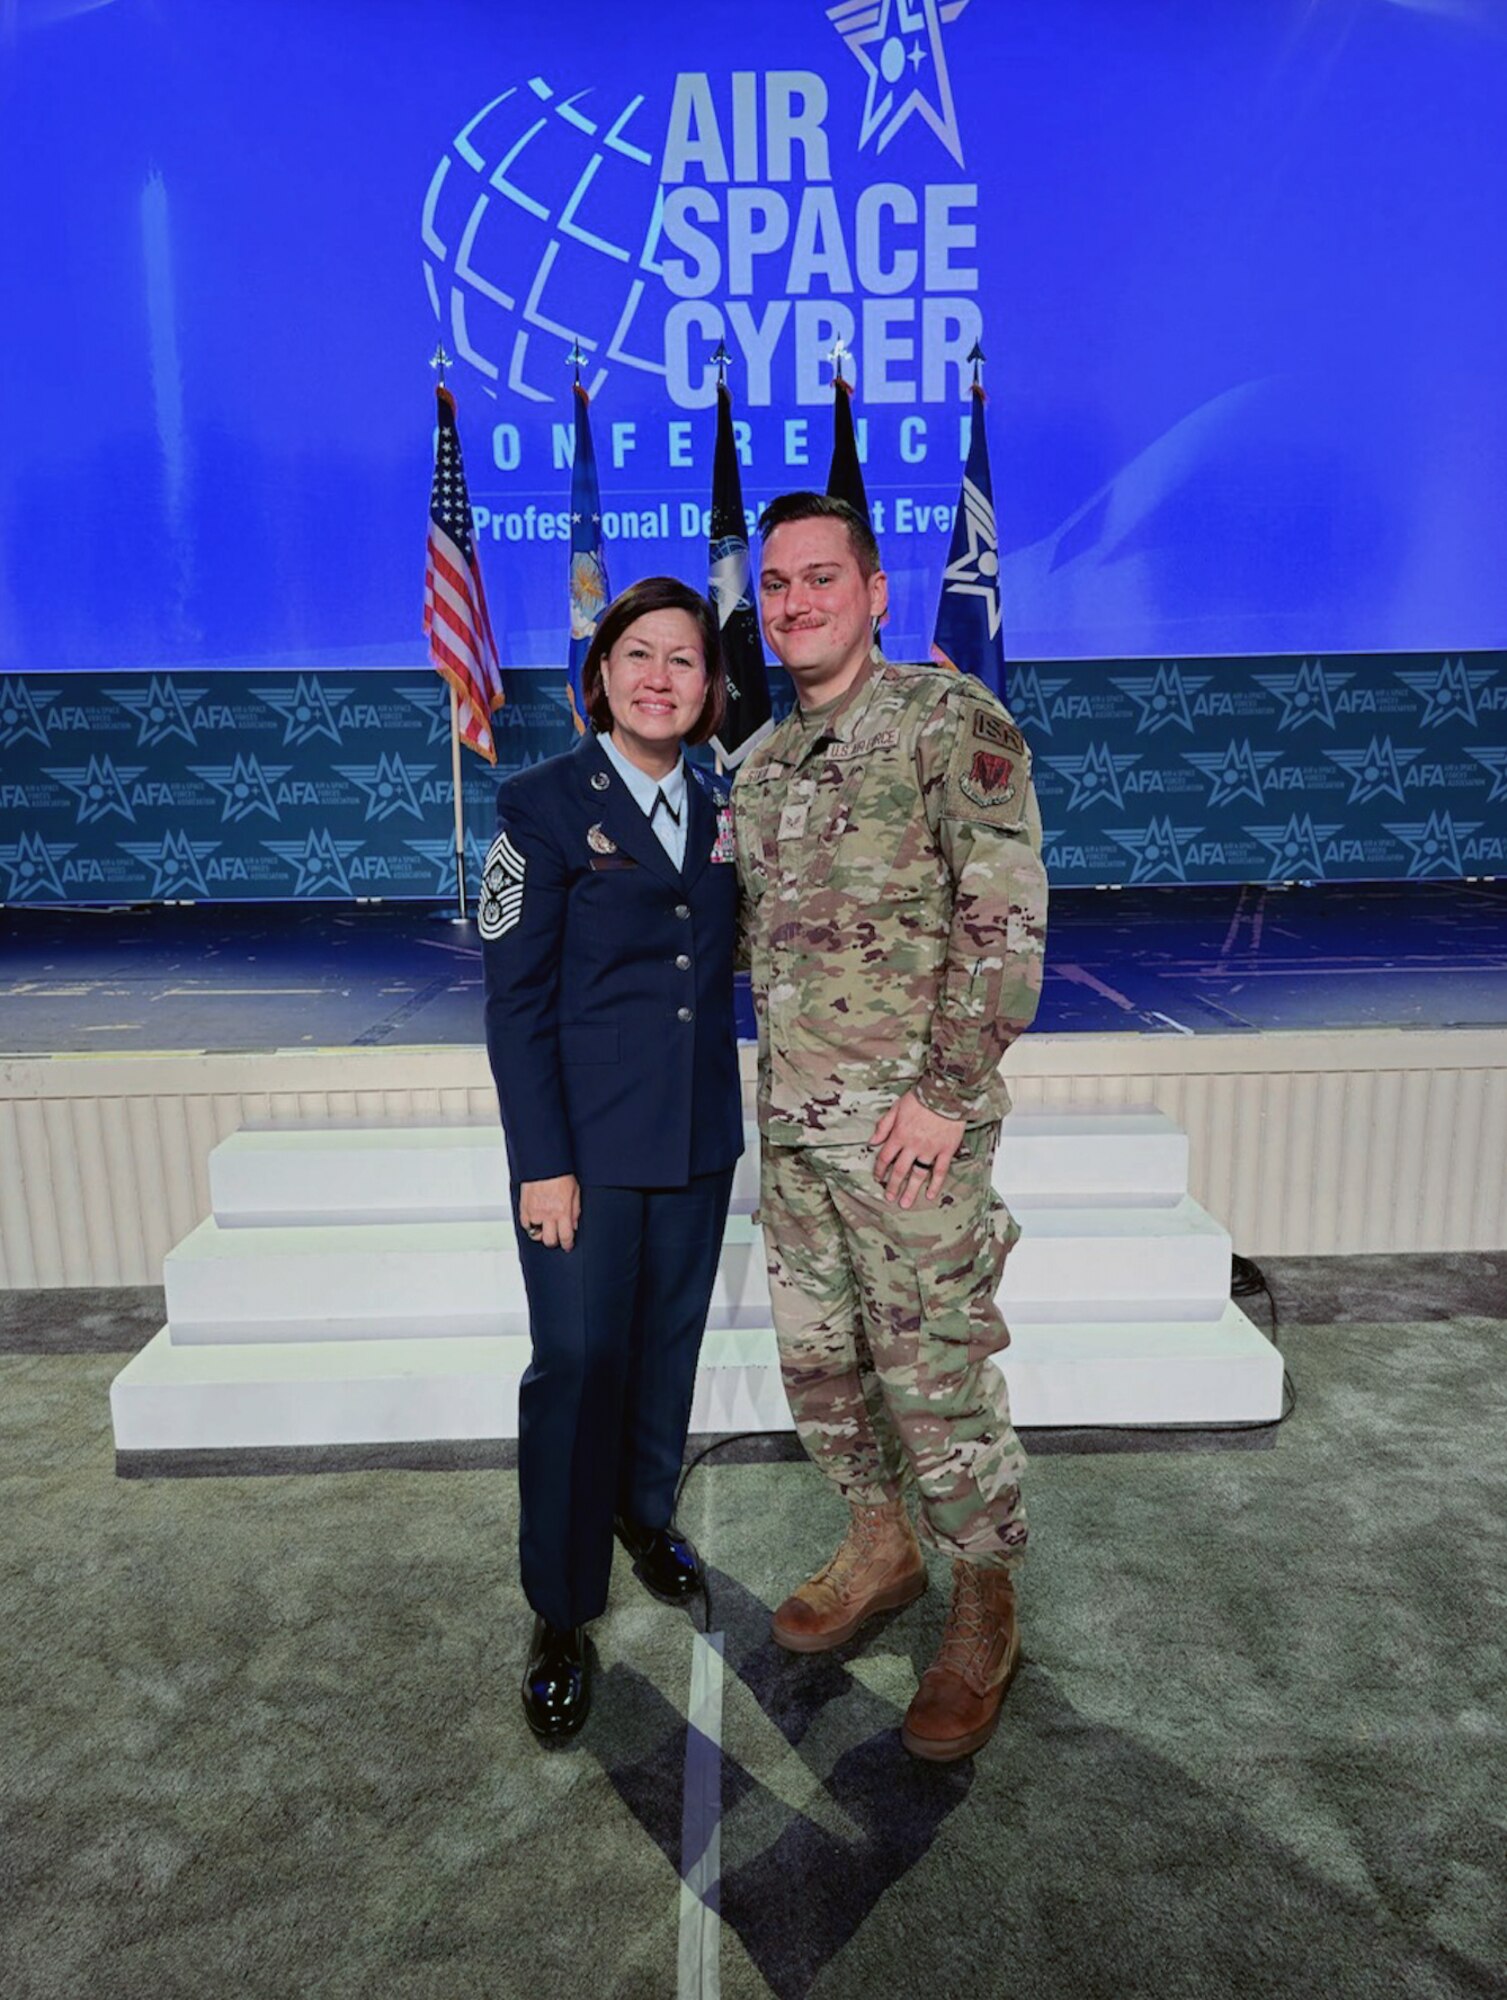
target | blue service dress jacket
x=609, y=979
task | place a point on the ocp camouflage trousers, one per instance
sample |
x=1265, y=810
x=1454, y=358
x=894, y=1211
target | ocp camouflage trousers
x=886, y=1321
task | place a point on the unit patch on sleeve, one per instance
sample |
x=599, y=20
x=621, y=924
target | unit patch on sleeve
x=501, y=889
x=990, y=772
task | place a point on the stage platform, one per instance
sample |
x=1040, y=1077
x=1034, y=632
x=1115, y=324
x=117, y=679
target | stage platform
x=1157, y=961
x=1337, y=1056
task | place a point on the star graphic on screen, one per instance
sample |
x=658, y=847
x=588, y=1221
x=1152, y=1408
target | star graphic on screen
x=1296, y=849
x=1494, y=760
x=33, y=867
x=161, y=710
x=1094, y=776
x=1448, y=691
x=1157, y=849
x=245, y=786
x=1436, y=843
x=319, y=859
x=440, y=854
x=176, y=863
x=887, y=36
x=1234, y=772
x=20, y=717
x=101, y=788
x=388, y=785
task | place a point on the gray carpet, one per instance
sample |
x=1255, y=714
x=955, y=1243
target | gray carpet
x=261, y=1735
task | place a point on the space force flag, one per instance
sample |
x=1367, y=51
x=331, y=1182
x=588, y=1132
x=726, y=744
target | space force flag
x=746, y=719
x=588, y=555
x=968, y=633
x=456, y=623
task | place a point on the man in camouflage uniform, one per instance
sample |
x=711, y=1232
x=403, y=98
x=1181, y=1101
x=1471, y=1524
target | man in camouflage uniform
x=889, y=850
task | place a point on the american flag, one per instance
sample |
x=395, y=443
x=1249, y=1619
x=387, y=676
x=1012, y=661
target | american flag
x=455, y=605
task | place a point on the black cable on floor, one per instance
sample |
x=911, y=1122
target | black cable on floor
x=706, y=1451
x=1247, y=1281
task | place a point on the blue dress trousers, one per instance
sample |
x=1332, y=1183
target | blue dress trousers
x=609, y=976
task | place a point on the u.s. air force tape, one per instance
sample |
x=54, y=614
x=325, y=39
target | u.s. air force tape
x=501, y=888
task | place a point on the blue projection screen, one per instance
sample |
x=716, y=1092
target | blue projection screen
x=1238, y=272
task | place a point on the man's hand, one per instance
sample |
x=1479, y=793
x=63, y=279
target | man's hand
x=914, y=1143
x=550, y=1211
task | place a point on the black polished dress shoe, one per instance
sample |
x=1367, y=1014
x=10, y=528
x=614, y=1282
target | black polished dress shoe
x=556, y=1681
x=664, y=1561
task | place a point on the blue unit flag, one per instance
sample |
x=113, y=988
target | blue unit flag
x=969, y=634
x=589, y=590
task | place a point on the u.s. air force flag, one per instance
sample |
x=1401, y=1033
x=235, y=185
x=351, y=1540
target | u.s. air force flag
x=968, y=633
x=746, y=720
x=589, y=591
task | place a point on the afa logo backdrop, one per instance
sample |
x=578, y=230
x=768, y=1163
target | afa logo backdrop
x=315, y=786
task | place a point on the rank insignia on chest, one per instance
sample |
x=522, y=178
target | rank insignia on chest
x=989, y=779
x=599, y=842
x=725, y=847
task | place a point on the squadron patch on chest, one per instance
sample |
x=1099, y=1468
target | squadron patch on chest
x=501, y=889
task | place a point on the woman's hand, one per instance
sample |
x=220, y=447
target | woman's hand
x=550, y=1211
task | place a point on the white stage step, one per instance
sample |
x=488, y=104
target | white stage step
x=173, y=1397
x=397, y=1279
x=1120, y=1157
x=457, y=1173
x=298, y=1176
x=402, y=1279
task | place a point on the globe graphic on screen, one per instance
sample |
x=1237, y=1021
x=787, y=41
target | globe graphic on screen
x=541, y=226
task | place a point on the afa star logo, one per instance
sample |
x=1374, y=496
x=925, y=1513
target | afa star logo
x=1435, y=845
x=388, y=785
x=440, y=854
x=100, y=789
x=20, y=718
x=177, y=865
x=32, y=866
x=1162, y=697
x=306, y=709
x=161, y=710
x=1375, y=772
x=1307, y=695
x=1157, y=850
x=1094, y=776
x=1448, y=690
x=1297, y=849
x=1495, y=761
x=431, y=703
x=1234, y=772
x=1031, y=696
x=245, y=787
x=320, y=860
x=900, y=47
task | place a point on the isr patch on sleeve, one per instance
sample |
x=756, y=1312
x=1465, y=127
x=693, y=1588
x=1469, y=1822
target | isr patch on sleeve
x=990, y=774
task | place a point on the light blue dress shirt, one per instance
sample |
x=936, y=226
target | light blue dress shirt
x=646, y=789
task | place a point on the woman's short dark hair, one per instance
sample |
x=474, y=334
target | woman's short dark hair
x=657, y=593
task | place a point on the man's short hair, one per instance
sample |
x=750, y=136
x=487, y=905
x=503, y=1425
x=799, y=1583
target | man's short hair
x=825, y=507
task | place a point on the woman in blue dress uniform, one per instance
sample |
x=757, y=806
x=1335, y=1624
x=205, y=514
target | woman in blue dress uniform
x=608, y=917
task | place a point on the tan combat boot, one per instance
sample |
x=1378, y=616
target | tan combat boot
x=958, y=1702
x=878, y=1567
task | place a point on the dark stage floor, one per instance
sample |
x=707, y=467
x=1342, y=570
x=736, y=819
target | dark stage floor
x=1148, y=961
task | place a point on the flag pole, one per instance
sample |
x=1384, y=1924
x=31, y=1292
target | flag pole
x=439, y=362
x=460, y=825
